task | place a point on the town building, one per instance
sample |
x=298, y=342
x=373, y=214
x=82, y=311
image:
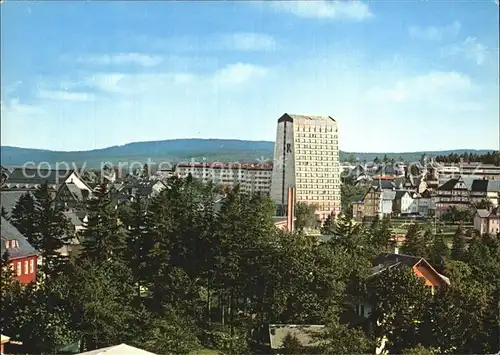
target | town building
x=21, y=256
x=487, y=221
x=29, y=179
x=306, y=156
x=446, y=171
x=253, y=178
x=405, y=203
x=453, y=193
x=488, y=190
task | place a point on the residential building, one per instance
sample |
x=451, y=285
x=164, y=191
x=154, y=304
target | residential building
x=253, y=178
x=22, y=257
x=378, y=202
x=70, y=197
x=29, y=179
x=426, y=203
x=446, y=171
x=485, y=190
x=487, y=221
x=452, y=193
x=358, y=210
x=405, y=203
x=362, y=307
x=306, y=157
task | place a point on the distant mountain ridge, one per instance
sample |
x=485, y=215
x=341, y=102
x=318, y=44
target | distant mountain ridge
x=175, y=150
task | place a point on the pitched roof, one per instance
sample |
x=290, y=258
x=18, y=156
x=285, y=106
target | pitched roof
x=8, y=199
x=392, y=258
x=386, y=261
x=38, y=176
x=493, y=186
x=383, y=184
x=122, y=349
x=400, y=194
x=9, y=232
x=278, y=332
x=479, y=186
x=388, y=195
x=483, y=213
x=450, y=184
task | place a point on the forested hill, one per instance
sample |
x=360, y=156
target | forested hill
x=185, y=149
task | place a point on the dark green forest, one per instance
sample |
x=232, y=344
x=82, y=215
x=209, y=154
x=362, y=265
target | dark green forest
x=179, y=273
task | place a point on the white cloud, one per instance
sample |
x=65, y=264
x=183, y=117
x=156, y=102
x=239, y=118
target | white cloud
x=433, y=33
x=124, y=58
x=65, y=95
x=238, y=73
x=379, y=108
x=14, y=106
x=237, y=41
x=248, y=41
x=470, y=48
x=325, y=9
x=436, y=89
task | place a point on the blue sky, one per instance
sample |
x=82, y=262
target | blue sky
x=397, y=75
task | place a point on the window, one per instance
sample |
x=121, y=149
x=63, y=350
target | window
x=19, y=268
x=26, y=267
x=32, y=266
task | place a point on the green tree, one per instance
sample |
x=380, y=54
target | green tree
x=52, y=232
x=439, y=253
x=459, y=246
x=5, y=214
x=292, y=345
x=484, y=204
x=415, y=243
x=420, y=350
x=23, y=217
x=104, y=236
x=100, y=296
x=339, y=339
x=305, y=216
x=400, y=299
x=328, y=226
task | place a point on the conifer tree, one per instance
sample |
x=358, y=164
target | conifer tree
x=328, y=227
x=104, y=236
x=439, y=252
x=23, y=217
x=138, y=242
x=5, y=214
x=459, y=246
x=52, y=232
x=415, y=242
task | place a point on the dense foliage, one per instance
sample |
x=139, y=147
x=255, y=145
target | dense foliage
x=488, y=158
x=184, y=271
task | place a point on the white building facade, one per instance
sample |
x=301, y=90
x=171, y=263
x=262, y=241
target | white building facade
x=306, y=156
x=252, y=178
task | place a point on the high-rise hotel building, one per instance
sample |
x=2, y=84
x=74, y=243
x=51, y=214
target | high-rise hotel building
x=306, y=156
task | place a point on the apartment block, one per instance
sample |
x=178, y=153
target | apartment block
x=306, y=156
x=252, y=178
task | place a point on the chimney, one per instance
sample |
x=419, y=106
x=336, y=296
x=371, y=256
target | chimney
x=291, y=209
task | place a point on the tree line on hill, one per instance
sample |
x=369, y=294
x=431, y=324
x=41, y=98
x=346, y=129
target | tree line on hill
x=181, y=272
x=488, y=158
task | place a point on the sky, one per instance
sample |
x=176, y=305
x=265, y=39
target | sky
x=398, y=76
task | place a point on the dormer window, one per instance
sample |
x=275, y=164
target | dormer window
x=9, y=244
